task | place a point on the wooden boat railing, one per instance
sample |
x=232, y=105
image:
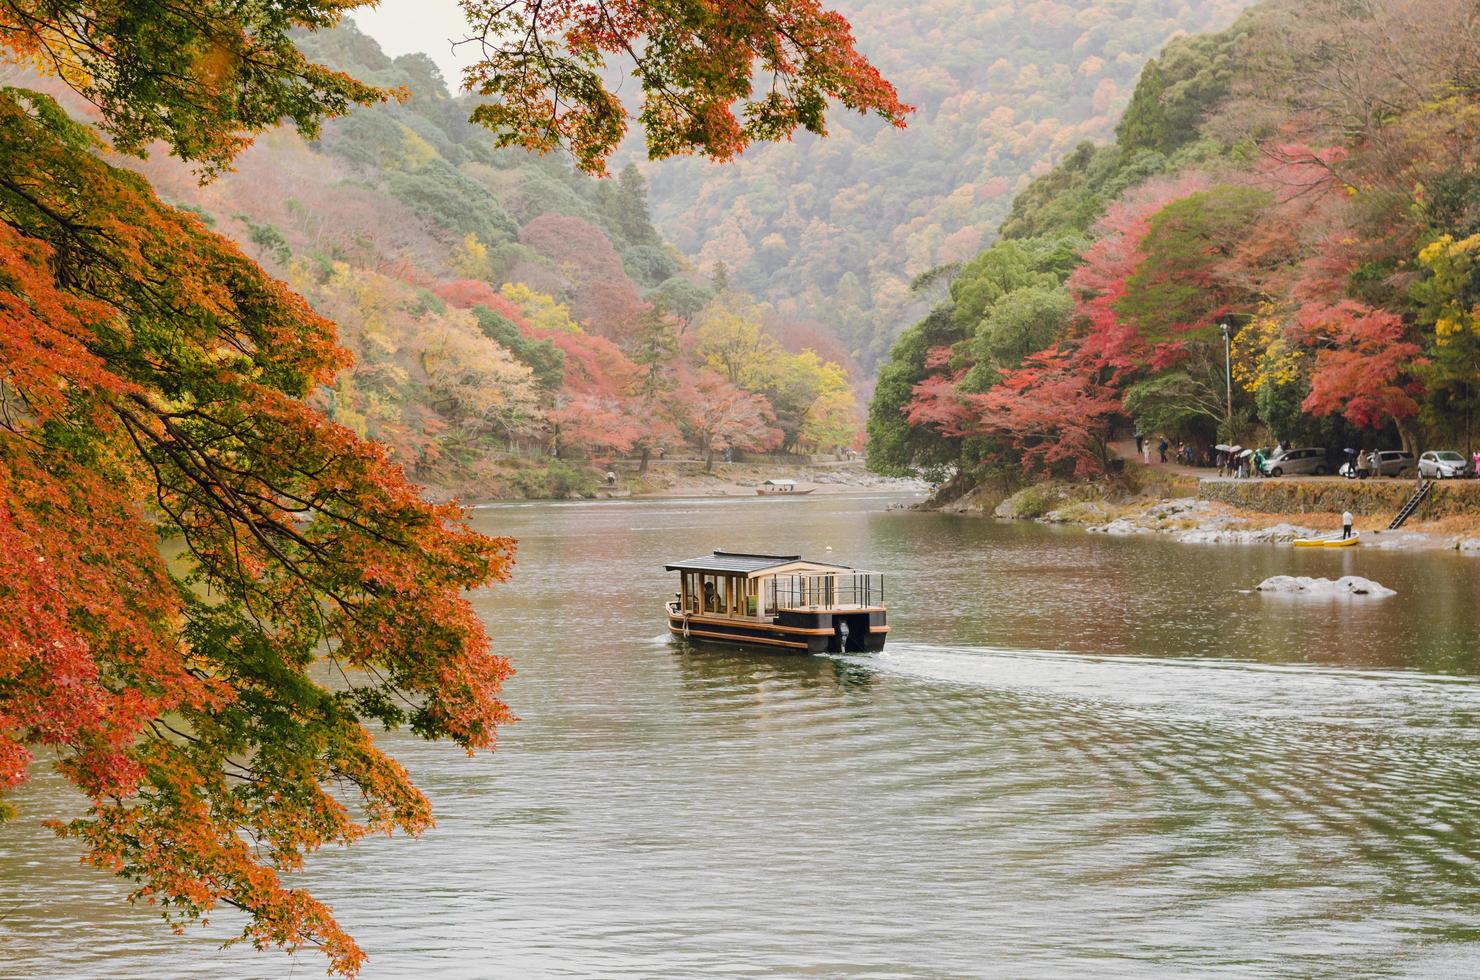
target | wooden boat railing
x=763, y=597
x=847, y=590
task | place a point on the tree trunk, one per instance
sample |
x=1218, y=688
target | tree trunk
x=1407, y=435
x=642, y=467
x=709, y=460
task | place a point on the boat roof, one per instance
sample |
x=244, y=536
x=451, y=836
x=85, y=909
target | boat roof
x=739, y=563
x=779, y=483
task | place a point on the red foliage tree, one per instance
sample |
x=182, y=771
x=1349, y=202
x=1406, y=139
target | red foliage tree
x=1112, y=341
x=1051, y=411
x=610, y=307
x=1363, y=366
x=467, y=293
x=595, y=410
x=939, y=403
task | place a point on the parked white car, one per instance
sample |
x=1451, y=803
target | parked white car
x=1389, y=462
x=1443, y=466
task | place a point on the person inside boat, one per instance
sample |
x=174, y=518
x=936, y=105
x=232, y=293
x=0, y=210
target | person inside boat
x=711, y=602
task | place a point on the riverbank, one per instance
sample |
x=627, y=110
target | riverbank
x=1210, y=511
x=688, y=478
x=544, y=479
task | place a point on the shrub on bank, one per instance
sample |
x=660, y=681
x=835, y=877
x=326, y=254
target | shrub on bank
x=554, y=479
x=1031, y=503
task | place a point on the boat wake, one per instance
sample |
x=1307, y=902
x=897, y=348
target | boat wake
x=1193, y=687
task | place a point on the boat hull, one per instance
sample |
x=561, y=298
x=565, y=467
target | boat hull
x=1327, y=542
x=785, y=493
x=790, y=632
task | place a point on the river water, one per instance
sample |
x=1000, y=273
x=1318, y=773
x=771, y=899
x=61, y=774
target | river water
x=1076, y=754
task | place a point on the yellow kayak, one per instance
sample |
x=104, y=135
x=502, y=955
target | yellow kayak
x=1328, y=542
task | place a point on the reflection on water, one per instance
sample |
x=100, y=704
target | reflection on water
x=1076, y=754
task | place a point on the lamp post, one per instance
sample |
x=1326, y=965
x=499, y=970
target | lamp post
x=1228, y=375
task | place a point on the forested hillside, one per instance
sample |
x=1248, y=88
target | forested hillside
x=1308, y=177
x=835, y=230
x=511, y=319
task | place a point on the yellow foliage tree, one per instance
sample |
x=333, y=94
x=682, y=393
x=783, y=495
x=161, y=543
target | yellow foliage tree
x=732, y=343
x=1452, y=264
x=1261, y=353
x=470, y=259
x=539, y=309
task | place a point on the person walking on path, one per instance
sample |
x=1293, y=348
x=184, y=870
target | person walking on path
x=1146, y=451
x=1140, y=442
x=1346, y=524
x=1162, y=448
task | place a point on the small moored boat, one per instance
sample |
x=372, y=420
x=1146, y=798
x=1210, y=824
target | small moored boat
x=1328, y=541
x=780, y=602
x=780, y=488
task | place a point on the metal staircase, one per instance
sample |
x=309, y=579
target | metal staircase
x=1424, y=486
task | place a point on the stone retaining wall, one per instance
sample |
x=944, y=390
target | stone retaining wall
x=1366, y=497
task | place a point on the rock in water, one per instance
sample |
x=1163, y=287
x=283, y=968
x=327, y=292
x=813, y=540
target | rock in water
x=1347, y=585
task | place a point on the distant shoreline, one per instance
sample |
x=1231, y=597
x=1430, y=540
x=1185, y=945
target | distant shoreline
x=687, y=478
x=1195, y=514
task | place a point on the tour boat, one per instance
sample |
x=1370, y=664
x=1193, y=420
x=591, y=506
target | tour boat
x=1328, y=542
x=780, y=602
x=781, y=488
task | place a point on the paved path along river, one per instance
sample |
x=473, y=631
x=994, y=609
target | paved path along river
x=1078, y=754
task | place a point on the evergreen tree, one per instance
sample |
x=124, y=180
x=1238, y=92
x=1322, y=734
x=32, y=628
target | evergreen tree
x=629, y=204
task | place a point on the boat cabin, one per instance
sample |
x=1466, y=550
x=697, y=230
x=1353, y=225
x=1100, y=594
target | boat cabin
x=778, y=601
x=780, y=486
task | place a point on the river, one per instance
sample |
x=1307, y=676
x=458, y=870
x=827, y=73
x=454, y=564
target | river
x=1077, y=754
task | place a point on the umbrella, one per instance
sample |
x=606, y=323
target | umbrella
x=1223, y=447
x=1246, y=452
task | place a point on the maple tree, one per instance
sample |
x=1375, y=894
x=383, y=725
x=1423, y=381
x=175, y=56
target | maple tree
x=1051, y=412
x=896, y=445
x=1364, y=366
x=201, y=76
x=1180, y=285
x=698, y=62
x=154, y=377
x=1099, y=285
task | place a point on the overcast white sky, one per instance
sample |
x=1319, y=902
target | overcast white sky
x=405, y=26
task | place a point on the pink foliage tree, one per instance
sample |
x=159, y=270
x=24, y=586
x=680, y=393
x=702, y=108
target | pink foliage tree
x=719, y=416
